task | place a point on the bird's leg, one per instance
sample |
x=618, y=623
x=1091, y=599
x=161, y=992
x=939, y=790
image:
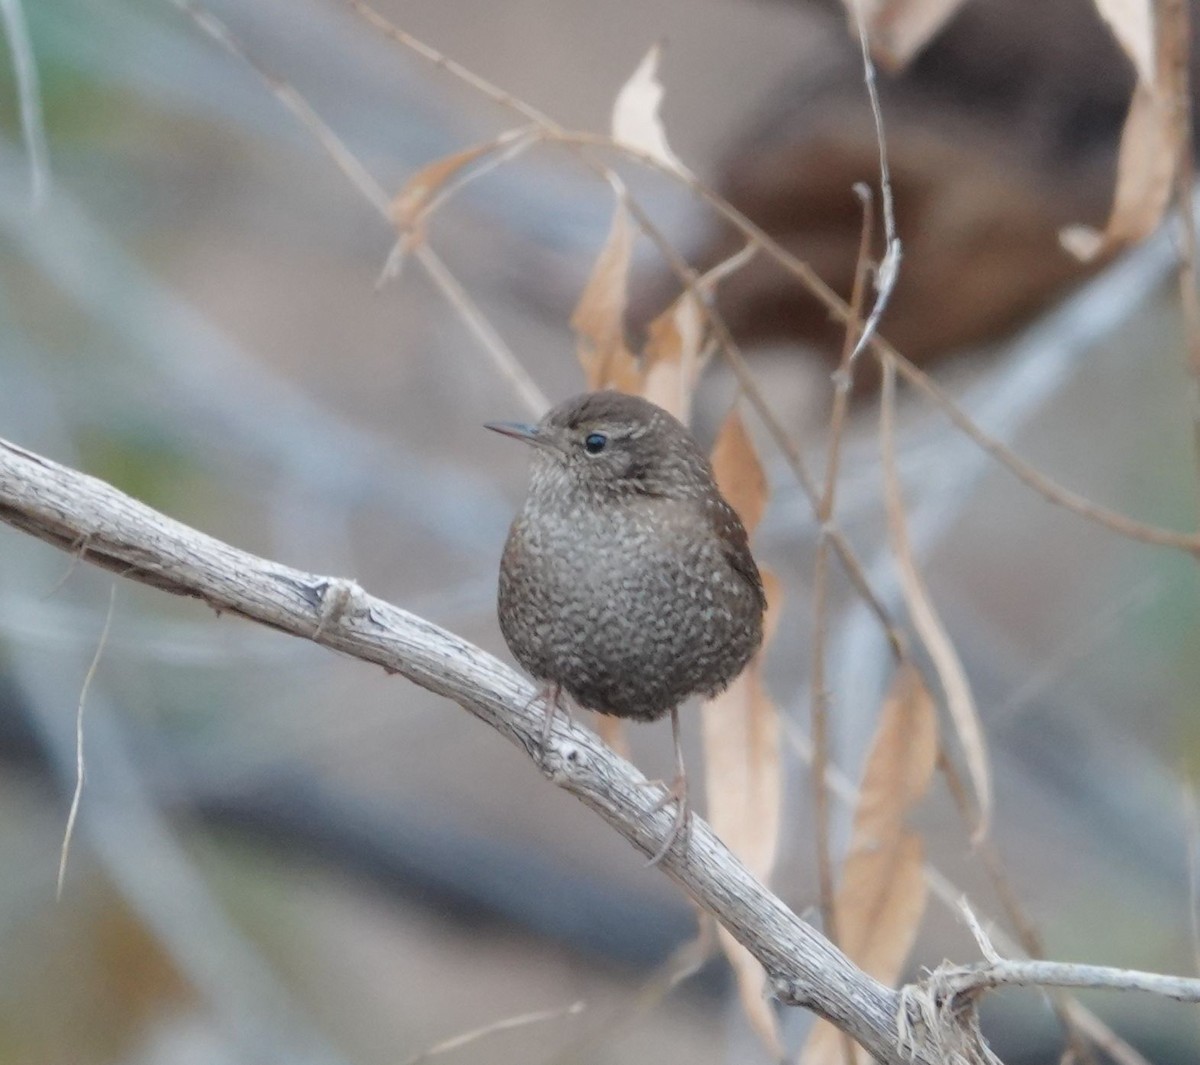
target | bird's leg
x=551, y=693
x=677, y=791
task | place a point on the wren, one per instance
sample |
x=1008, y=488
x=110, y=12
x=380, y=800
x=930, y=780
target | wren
x=627, y=579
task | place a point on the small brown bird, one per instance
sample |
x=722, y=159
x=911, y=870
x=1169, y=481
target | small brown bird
x=627, y=579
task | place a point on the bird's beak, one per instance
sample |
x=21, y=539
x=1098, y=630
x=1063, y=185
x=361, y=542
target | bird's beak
x=518, y=431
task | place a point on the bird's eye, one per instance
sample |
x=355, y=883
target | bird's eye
x=594, y=443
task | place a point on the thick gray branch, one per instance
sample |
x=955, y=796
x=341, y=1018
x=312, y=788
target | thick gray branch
x=82, y=514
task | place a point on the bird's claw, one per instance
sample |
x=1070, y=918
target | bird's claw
x=677, y=791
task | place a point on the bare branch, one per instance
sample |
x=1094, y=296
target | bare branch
x=65, y=507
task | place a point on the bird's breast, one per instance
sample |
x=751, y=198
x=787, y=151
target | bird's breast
x=632, y=609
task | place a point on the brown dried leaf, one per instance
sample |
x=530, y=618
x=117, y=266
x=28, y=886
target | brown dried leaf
x=675, y=355
x=1154, y=136
x=1132, y=23
x=612, y=731
x=898, y=29
x=752, y=990
x=599, y=317
x=743, y=782
x=881, y=897
x=740, y=729
x=672, y=359
x=635, y=119
x=738, y=471
x=951, y=675
x=898, y=770
x=744, y=785
x=410, y=202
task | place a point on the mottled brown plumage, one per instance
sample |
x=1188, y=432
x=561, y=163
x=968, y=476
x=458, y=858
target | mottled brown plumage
x=627, y=579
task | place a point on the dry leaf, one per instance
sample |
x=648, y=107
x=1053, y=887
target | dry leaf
x=1132, y=23
x=744, y=784
x=672, y=359
x=881, y=897
x=599, y=317
x=951, y=675
x=898, y=29
x=741, y=733
x=410, y=202
x=612, y=731
x=739, y=472
x=675, y=356
x=752, y=990
x=898, y=770
x=635, y=119
x=1154, y=135
x=743, y=778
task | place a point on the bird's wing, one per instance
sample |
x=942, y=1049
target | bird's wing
x=736, y=544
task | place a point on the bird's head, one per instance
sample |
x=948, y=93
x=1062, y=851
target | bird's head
x=609, y=444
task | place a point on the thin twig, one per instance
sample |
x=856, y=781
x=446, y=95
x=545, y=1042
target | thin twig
x=77, y=796
x=506, y=1025
x=1034, y=478
x=970, y=980
x=888, y=271
x=819, y=713
x=502, y=355
x=1027, y=934
x=502, y=149
x=950, y=672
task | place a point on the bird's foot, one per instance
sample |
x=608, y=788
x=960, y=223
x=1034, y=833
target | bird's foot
x=677, y=792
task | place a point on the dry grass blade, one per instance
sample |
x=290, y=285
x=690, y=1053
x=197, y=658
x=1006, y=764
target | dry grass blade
x=599, y=316
x=950, y=672
x=1151, y=142
x=882, y=893
x=80, y=774
x=899, y=29
x=741, y=732
x=636, y=122
x=505, y=1025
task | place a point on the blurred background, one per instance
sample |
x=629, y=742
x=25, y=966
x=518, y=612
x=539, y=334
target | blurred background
x=287, y=856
